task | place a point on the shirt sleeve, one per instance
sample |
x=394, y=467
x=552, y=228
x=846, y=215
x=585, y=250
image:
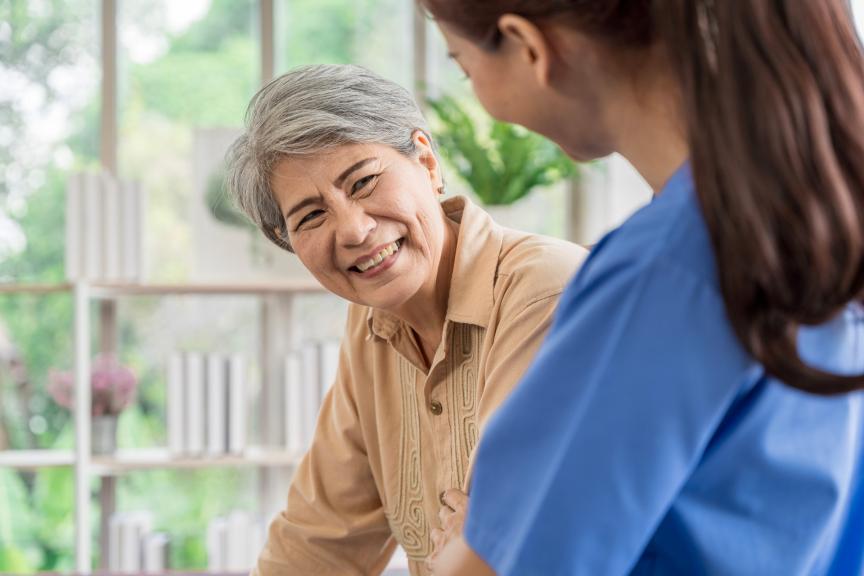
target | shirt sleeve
x=334, y=523
x=578, y=467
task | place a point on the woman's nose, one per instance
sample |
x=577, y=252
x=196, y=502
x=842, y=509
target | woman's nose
x=354, y=225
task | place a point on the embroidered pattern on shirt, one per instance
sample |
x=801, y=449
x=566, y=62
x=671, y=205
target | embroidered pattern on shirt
x=464, y=363
x=408, y=520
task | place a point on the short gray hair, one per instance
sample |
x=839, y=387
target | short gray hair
x=309, y=110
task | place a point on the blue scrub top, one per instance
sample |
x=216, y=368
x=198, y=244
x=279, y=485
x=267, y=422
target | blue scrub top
x=644, y=439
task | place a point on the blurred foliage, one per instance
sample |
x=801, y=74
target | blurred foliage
x=223, y=210
x=17, y=525
x=500, y=162
x=165, y=85
x=321, y=31
x=34, y=43
x=215, y=56
x=220, y=205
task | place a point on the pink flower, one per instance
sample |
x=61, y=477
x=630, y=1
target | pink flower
x=113, y=386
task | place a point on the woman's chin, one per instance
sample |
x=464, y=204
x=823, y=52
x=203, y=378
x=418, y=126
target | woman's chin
x=384, y=298
x=393, y=290
x=395, y=294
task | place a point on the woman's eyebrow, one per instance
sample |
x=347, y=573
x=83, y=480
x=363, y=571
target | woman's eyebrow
x=356, y=166
x=338, y=183
x=302, y=204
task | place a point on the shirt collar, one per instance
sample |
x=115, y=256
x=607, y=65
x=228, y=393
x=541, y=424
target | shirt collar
x=478, y=248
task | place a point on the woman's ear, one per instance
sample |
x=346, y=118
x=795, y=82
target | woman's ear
x=527, y=42
x=426, y=157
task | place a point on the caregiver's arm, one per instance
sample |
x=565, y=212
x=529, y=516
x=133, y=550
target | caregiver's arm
x=334, y=523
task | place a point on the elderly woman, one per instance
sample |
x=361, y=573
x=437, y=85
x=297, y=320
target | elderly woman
x=337, y=166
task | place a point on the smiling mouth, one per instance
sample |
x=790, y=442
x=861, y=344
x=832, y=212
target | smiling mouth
x=378, y=259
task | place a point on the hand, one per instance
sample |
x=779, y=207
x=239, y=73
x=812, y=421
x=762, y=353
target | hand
x=452, y=519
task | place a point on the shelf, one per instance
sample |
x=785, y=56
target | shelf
x=106, y=291
x=115, y=290
x=34, y=459
x=10, y=288
x=162, y=459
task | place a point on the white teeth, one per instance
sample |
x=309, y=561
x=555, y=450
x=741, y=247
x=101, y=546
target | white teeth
x=372, y=262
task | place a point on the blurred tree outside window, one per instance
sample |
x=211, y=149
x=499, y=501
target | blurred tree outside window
x=186, y=72
x=372, y=33
x=49, y=70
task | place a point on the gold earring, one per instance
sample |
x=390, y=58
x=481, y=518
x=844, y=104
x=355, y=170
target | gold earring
x=440, y=190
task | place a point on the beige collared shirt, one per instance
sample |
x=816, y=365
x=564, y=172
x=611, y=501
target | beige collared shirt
x=394, y=432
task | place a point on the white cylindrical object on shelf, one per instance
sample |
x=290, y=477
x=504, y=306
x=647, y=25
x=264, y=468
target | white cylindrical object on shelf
x=217, y=413
x=329, y=356
x=129, y=230
x=74, y=231
x=292, y=384
x=174, y=403
x=111, y=257
x=239, y=538
x=155, y=553
x=114, y=535
x=310, y=389
x=237, y=404
x=130, y=544
x=194, y=403
x=92, y=226
x=256, y=542
x=217, y=545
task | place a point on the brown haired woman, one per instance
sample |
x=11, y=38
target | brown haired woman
x=695, y=408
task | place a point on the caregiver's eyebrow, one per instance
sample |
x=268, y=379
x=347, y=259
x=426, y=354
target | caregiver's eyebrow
x=356, y=166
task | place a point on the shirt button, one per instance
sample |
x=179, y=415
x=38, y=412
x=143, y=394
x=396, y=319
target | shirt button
x=436, y=408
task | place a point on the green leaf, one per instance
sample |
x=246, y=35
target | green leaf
x=500, y=162
x=16, y=523
x=13, y=560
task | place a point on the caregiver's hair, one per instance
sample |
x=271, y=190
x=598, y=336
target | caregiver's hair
x=309, y=110
x=773, y=97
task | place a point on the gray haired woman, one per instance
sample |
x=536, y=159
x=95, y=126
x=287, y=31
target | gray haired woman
x=337, y=165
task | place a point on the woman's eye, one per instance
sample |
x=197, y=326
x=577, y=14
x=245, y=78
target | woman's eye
x=309, y=218
x=362, y=183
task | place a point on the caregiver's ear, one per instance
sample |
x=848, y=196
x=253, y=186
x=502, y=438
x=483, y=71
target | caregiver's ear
x=526, y=42
x=426, y=156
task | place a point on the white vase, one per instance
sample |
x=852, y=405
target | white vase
x=103, y=435
x=504, y=214
x=537, y=212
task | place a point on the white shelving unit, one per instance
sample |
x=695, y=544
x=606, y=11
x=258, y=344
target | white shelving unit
x=125, y=461
x=36, y=459
x=276, y=303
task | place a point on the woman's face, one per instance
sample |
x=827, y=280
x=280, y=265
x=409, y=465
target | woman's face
x=365, y=220
x=524, y=81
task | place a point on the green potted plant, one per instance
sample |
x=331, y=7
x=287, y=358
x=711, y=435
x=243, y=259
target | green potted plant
x=500, y=162
x=224, y=211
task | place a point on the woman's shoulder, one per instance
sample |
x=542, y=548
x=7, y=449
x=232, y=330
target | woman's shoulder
x=539, y=265
x=358, y=327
